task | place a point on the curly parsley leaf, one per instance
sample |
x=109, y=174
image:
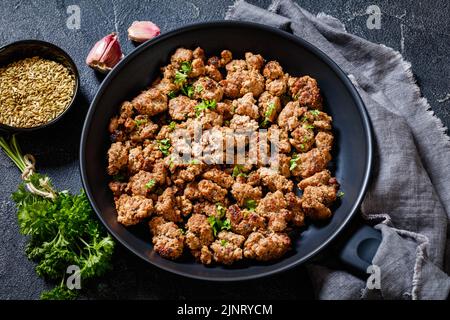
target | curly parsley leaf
x=187, y=90
x=119, y=177
x=237, y=172
x=186, y=67
x=221, y=210
x=314, y=112
x=60, y=292
x=226, y=225
x=214, y=224
x=164, y=146
x=204, y=105
x=270, y=109
x=250, y=204
x=182, y=74
x=198, y=88
x=180, y=78
x=218, y=225
x=294, y=162
x=140, y=122
x=62, y=230
x=264, y=123
x=150, y=184
x=194, y=161
x=172, y=94
x=172, y=125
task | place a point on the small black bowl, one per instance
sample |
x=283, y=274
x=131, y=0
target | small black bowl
x=30, y=48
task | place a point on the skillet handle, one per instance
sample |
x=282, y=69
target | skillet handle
x=358, y=251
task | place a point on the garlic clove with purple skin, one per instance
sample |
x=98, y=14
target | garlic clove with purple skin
x=141, y=31
x=105, y=54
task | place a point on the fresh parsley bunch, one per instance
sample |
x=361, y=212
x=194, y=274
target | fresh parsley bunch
x=62, y=228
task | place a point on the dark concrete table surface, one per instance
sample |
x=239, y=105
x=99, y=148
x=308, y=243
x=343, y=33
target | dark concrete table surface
x=420, y=30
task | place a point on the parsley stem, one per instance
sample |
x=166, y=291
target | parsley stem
x=12, y=150
x=18, y=153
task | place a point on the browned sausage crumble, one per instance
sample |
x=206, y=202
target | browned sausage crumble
x=222, y=213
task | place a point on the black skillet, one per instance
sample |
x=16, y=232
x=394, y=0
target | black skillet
x=352, y=155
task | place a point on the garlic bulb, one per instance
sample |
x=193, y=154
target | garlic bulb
x=105, y=54
x=141, y=31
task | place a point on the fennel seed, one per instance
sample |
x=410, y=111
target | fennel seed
x=34, y=91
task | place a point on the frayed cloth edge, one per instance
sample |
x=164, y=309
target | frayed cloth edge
x=407, y=68
x=385, y=219
x=420, y=259
x=231, y=9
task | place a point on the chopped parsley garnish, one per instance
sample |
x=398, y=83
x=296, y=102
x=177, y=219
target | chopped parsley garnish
x=183, y=232
x=293, y=162
x=270, y=110
x=199, y=88
x=164, y=146
x=181, y=75
x=221, y=210
x=172, y=94
x=204, y=105
x=118, y=177
x=194, y=161
x=315, y=112
x=302, y=146
x=309, y=126
x=226, y=225
x=150, y=184
x=340, y=194
x=218, y=225
x=140, y=122
x=172, y=125
x=171, y=163
x=180, y=78
x=268, y=114
x=187, y=90
x=250, y=204
x=237, y=171
x=186, y=67
x=223, y=242
x=264, y=123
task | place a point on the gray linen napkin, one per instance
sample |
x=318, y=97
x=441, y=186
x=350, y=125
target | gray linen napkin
x=409, y=196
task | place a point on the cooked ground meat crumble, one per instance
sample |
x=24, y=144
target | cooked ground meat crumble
x=222, y=213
